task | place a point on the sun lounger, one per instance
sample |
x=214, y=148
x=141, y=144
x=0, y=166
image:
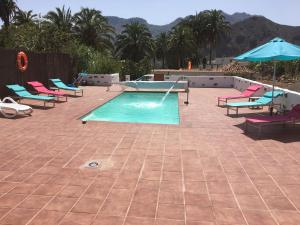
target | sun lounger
x=61, y=86
x=249, y=92
x=41, y=89
x=292, y=116
x=22, y=93
x=10, y=109
x=265, y=100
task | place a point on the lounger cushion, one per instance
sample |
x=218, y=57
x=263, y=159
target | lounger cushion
x=254, y=87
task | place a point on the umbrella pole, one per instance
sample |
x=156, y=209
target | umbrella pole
x=273, y=87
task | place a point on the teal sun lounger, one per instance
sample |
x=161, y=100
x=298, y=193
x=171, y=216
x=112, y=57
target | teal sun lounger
x=22, y=93
x=62, y=86
x=265, y=100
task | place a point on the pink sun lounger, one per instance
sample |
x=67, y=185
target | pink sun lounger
x=249, y=92
x=292, y=116
x=41, y=89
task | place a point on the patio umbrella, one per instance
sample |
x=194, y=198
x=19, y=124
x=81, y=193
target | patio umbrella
x=275, y=50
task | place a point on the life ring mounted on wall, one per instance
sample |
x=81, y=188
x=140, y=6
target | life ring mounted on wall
x=22, y=61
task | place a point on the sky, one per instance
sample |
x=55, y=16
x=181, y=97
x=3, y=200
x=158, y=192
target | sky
x=161, y=12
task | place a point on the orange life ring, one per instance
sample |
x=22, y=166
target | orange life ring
x=22, y=61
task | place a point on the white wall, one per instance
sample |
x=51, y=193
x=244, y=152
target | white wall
x=101, y=79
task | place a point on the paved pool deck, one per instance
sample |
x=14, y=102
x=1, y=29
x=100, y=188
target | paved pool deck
x=205, y=171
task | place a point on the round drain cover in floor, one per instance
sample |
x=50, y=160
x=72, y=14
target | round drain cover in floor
x=92, y=164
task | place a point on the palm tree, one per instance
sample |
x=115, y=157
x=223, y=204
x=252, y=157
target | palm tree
x=197, y=23
x=181, y=43
x=93, y=29
x=61, y=18
x=216, y=27
x=135, y=42
x=162, y=47
x=7, y=10
x=22, y=17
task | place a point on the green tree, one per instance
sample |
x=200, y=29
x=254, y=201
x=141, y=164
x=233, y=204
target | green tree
x=22, y=17
x=135, y=42
x=181, y=44
x=61, y=18
x=197, y=24
x=215, y=28
x=93, y=29
x=162, y=47
x=7, y=10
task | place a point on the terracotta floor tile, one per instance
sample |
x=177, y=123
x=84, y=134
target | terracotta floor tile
x=251, y=202
x=47, y=217
x=223, y=201
x=254, y=217
x=71, y=191
x=269, y=190
x=145, y=196
x=169, y=222
x=18, y=216
x=151, y=175
x=38, y=179
x=48, y=189
x=196, y=187
x=87, y=205
x=171, y=186
x=243, y=189
x=171, y=197
x=77, y=219
x=11, y=200
x=148, y=184
x=34, y=202
x=193, y=176
x=168, y=175
x=120, y=195
x=95, y=191
x=3, y=211
x=142, y=210
x=6, y=186
x=114, y=208
x=24, y=188
x=139, y=221
x=61, y=204
x=196, y=213
x=108, y=220
x=199, y=223
x=170, y=211
x=197, y=199
x=279, y=202
x=287, y=217
x=218, y=188
x=229, y=216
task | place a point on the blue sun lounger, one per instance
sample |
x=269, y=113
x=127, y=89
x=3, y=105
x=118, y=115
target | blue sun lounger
x=62, y=86
x=265, y=100
x=22, y=93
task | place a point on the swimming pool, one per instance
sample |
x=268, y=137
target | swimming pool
x=138, y=107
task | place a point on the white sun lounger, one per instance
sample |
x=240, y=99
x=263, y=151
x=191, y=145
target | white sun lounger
x=9, y=108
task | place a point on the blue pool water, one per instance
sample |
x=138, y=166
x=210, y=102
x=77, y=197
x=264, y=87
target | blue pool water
x=138, y=107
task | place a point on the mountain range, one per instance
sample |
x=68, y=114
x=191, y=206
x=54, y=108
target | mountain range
x=247, y=31
x=118, y=22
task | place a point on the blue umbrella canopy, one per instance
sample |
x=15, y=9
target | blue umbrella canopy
x=275, y=50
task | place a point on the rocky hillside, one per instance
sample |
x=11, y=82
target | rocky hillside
x=118, y=22
x=247, y=31
x=254, y=31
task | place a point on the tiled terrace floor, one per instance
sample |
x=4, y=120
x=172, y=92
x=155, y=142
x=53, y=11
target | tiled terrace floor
x=203, y=172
